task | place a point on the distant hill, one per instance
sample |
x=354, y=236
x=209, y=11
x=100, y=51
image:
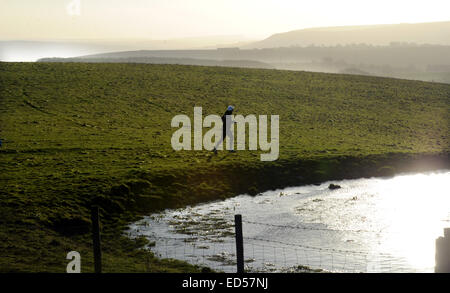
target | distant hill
x=31, y=50
x=421, y=33
x=410, y=61
x=419, y=51
x=158, y=60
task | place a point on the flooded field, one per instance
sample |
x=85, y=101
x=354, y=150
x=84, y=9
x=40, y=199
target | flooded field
x=363, y=225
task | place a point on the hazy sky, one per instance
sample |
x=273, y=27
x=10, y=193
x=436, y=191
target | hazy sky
x=167, y=19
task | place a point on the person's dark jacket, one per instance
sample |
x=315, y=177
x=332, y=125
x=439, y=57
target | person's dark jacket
x=224, y=121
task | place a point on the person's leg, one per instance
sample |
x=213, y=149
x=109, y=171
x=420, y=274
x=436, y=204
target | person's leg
x=222, y=139
x=230, y=135
x=218, y=143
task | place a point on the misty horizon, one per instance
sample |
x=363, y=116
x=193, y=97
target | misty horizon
x=23, y=50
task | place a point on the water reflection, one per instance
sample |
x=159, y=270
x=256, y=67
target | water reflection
x=368, y=225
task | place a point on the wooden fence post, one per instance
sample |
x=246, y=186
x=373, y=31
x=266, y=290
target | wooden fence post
x=443, y=253
x=239, y=244
x=96, y=239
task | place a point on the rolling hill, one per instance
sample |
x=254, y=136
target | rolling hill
x=419, y=62
x=436, y=33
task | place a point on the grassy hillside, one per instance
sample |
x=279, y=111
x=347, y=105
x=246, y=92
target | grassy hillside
x=81, y=134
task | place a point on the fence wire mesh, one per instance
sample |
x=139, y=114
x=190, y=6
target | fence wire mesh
x=268, y=253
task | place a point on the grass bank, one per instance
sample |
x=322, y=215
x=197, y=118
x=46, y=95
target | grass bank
x=81, y=134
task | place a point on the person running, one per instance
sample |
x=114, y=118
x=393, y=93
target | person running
x=226, y=130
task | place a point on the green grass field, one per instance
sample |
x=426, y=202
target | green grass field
x=81, y=134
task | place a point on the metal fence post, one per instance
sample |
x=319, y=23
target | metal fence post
x=96, y=239
x=239, y=244
x=443, y=253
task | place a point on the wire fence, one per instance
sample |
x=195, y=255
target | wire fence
x=267, y=252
